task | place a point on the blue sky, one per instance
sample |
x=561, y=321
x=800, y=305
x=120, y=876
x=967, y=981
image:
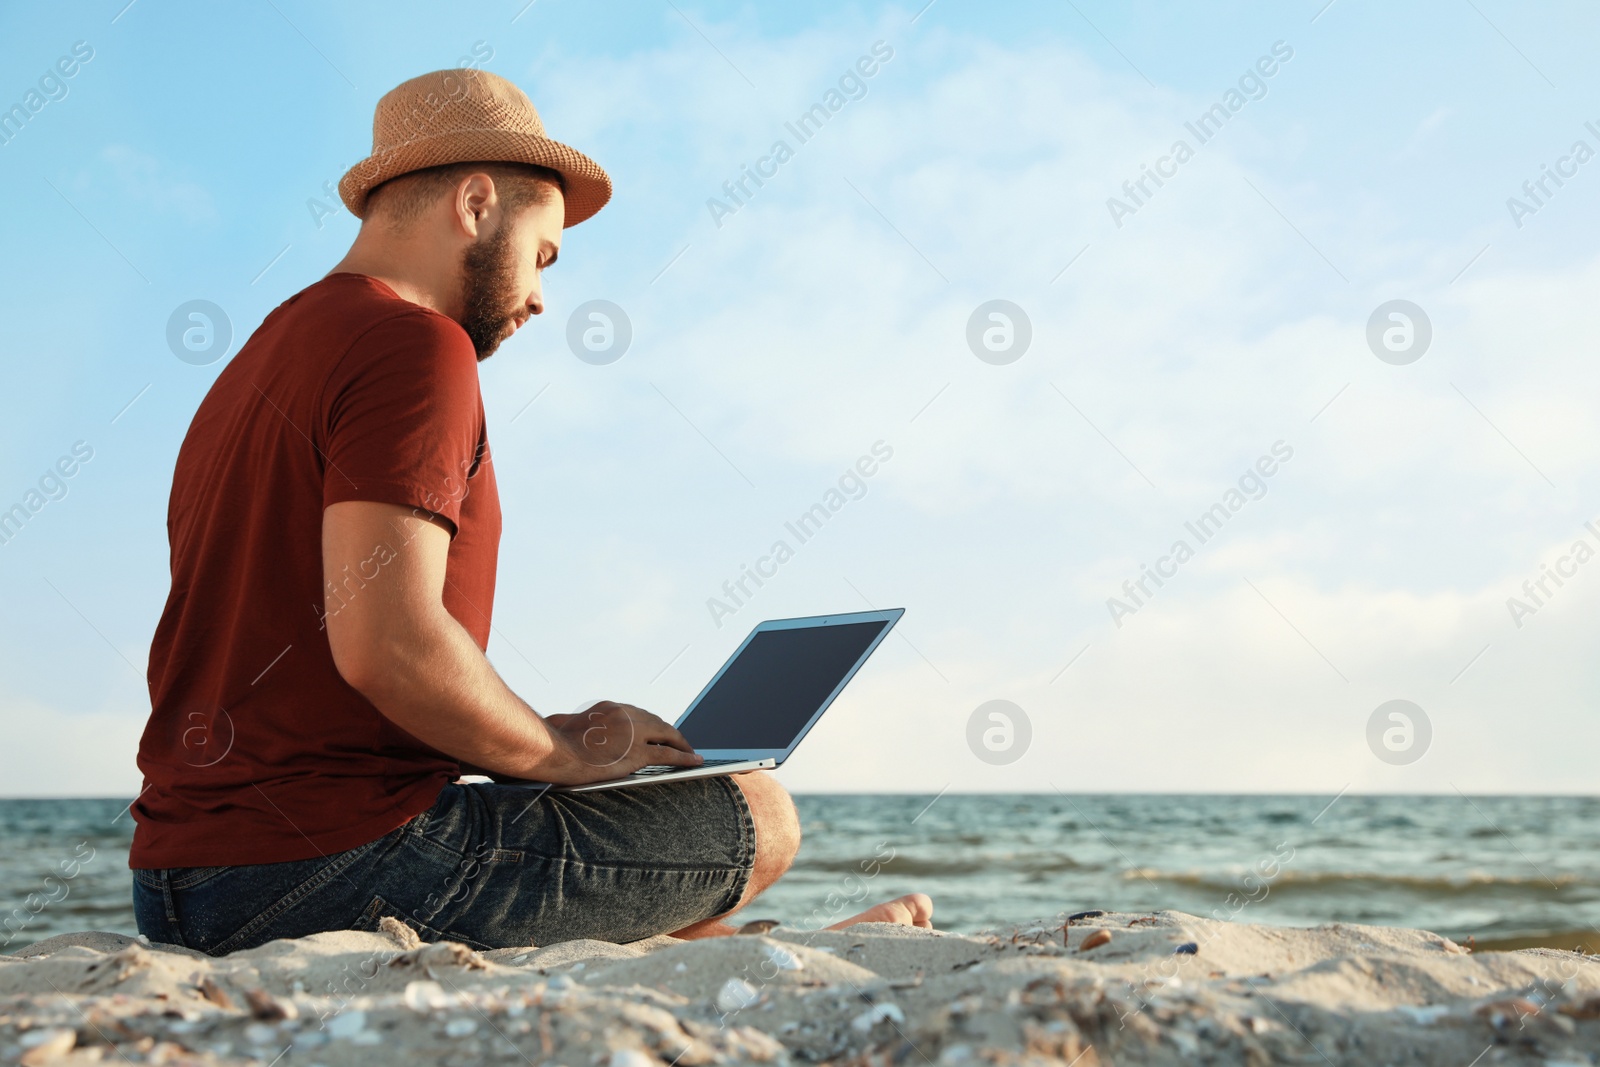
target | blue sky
x=186, y=160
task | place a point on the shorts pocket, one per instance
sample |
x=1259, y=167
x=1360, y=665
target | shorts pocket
x=259, y=928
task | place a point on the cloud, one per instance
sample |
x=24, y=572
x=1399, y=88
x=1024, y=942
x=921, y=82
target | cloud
x=144, y=180
x=1420, y=141
x=49, y=752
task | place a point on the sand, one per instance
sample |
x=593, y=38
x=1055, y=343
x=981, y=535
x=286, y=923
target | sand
x=1165, y=988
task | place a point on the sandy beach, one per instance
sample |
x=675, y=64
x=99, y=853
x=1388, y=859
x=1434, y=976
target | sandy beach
x=1102, y=988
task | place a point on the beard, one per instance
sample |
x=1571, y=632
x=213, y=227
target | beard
x=489, y=286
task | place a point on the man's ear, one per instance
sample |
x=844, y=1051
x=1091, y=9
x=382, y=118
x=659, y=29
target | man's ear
x=474, y=195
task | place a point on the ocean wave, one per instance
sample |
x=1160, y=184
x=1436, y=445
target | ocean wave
x=904, y=864
x=1586, y=941
x=1465, y=882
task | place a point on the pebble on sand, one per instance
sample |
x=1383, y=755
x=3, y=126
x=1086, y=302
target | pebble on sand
x=1095, y=940
x=735, y=995
x=47, y=1046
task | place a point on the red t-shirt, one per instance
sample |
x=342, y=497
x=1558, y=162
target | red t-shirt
x=257, y=750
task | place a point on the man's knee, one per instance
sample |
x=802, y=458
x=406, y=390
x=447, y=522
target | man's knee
x=777, y=821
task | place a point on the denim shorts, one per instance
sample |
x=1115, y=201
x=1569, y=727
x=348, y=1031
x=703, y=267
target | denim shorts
x=489, y=865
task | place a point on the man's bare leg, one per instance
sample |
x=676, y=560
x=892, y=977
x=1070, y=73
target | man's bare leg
x=913, y=909
x=777, y=843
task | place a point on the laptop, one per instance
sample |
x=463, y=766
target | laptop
x=756, y=710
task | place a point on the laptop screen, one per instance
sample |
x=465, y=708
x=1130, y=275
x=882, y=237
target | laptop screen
x=776, y=685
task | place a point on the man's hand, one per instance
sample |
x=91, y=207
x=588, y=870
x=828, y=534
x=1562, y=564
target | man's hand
x=394, y=642
x=618, y=739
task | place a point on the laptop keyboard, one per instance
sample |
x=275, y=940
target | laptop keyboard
x=645, y=772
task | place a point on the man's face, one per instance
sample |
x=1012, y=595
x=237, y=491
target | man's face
x=500, y=272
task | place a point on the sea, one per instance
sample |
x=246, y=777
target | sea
x=1500, y=872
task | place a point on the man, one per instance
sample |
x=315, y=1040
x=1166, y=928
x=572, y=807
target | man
x=318, y=680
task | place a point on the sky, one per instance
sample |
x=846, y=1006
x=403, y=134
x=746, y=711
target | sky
x=1220, y=342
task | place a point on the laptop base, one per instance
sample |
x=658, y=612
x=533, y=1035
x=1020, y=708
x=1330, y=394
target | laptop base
x=649, y=775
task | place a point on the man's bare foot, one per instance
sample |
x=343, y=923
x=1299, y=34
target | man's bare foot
x=913, y=909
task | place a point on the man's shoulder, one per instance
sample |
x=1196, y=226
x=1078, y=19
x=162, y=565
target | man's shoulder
x=358, y=303
x=367, y=323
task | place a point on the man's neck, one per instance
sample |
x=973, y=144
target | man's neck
x=413, y=273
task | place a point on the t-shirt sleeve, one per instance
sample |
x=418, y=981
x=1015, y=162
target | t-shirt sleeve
x=403, y=417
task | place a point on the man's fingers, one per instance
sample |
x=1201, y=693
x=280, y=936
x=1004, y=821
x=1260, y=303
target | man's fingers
x=628, y=737
x=660, y=735
x=671, y=737
x=664, y=755
x=652, y=729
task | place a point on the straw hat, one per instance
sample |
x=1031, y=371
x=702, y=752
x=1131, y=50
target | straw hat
x=468, y=116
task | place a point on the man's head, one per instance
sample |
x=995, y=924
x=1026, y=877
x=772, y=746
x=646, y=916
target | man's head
x=464, y=198
x=499, y=224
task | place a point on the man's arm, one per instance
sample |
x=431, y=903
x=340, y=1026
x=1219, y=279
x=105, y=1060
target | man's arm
x=394, y=642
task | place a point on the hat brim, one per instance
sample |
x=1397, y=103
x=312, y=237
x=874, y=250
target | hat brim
x=587, y=186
